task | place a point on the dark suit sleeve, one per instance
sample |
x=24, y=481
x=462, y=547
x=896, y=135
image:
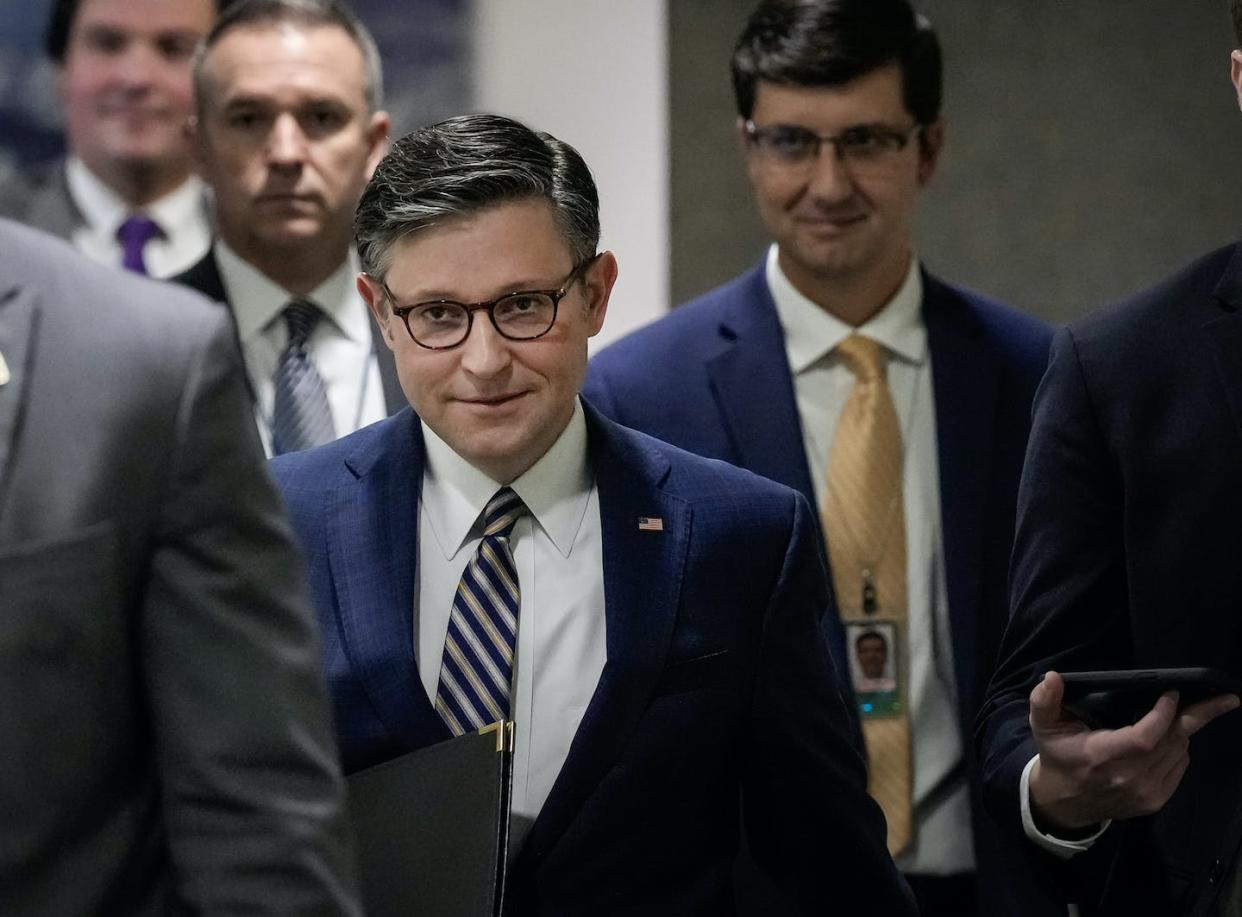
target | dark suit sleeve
x=253, y=797
x=1068, y=587
x=812, y=828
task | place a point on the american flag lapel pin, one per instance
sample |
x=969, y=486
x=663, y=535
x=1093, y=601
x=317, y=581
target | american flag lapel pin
x=650, y=524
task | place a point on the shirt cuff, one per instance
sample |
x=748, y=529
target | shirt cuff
x=1059, y=848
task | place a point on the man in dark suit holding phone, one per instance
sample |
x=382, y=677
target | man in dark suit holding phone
x=1127, y=555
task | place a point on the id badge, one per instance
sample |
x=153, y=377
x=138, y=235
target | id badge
x=874, y=651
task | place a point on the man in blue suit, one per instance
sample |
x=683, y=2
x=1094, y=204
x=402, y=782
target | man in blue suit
x=647, y=617
x=839, y=116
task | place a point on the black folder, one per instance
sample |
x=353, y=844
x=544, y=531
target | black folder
x=432, y=827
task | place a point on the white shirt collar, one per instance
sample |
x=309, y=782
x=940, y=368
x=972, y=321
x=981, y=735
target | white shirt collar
x=257, y=300
x=105, y=210
x=812, y=332
x=555, y=489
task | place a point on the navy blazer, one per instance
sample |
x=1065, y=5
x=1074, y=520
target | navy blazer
x=713, y=377
x=1127, y=554
x=716, y=695
x=205, y=277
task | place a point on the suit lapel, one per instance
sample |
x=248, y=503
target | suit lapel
x=372, y=542
x=19, y=328
x=965, y=381
x=754, y=389
x=1224, y=333
x=642, y=585
x=205, y=277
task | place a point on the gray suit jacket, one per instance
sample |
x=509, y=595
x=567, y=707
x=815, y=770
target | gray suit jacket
x=41, y=199
x=164, y=735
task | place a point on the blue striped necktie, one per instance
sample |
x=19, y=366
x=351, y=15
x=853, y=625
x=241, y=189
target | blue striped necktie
x=477, y=667
x=301, y=417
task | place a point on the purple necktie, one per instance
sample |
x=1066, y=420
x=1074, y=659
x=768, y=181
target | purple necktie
x=134, y=234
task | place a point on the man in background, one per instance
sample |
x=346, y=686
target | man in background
x=126, y=194
x=896, y=403
x=166, y=739
x=1126, y=556
x=288, y=130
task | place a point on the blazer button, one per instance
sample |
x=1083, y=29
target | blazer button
x=1217, y=870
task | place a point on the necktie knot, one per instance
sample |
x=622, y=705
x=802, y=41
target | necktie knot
x=301, y=316
x=866, y=357
x=502, y=513
x=134, y=234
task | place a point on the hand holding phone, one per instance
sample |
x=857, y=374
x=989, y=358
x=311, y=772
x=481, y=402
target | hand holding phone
x=1085, y=776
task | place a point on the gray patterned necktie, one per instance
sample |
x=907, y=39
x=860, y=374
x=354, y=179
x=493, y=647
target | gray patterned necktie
x=301, y=417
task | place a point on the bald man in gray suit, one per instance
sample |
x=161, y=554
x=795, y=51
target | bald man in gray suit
x=164, y=735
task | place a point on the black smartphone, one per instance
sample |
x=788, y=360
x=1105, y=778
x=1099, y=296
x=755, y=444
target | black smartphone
x=1112, y=699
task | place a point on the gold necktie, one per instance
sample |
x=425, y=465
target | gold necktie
x=864, y=521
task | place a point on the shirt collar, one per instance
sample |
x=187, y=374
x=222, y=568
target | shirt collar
x=105, y=210
x=811, y=332
x=556, y=489
x=257, y=300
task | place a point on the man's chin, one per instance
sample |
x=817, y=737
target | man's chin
x=138, y=155
x=289, y=235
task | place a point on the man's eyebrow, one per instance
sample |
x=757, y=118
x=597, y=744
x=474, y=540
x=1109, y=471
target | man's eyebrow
x=249, y=100
x=190, y=35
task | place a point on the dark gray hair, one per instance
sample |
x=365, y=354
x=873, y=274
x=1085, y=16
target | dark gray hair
x=464, y=165
x=309, y=14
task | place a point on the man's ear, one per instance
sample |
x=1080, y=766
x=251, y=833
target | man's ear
x=377, y=140
x=1235, y=73
x=931, y=144
x=598, y=282
x=376, y=300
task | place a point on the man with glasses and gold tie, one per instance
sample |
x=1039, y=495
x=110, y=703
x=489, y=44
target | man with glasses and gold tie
x=897, y=404
x=649, y=619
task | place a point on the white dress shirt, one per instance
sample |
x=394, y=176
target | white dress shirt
x=561, y=638
x=182, y=215
x=942, y=843
x=340, y=346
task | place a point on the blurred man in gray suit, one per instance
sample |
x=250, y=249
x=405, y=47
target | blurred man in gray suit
x=126, y=194
x=164, y=735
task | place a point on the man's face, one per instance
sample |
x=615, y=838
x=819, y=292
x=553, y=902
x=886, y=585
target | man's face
x=499, y=404
x=872, y=656
x=285, y=137
x=125, y=83
x=833, y=220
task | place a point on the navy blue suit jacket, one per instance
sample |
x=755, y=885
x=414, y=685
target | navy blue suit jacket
x=716, y=695
x=713, y=377
x=1129, y=554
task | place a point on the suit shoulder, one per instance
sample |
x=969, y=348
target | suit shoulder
x=19, y=189
x=153, y=315
x=700, y=480
x=1010, y=332
x=317, y=470
x=684, y=331
x=1148, y=312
